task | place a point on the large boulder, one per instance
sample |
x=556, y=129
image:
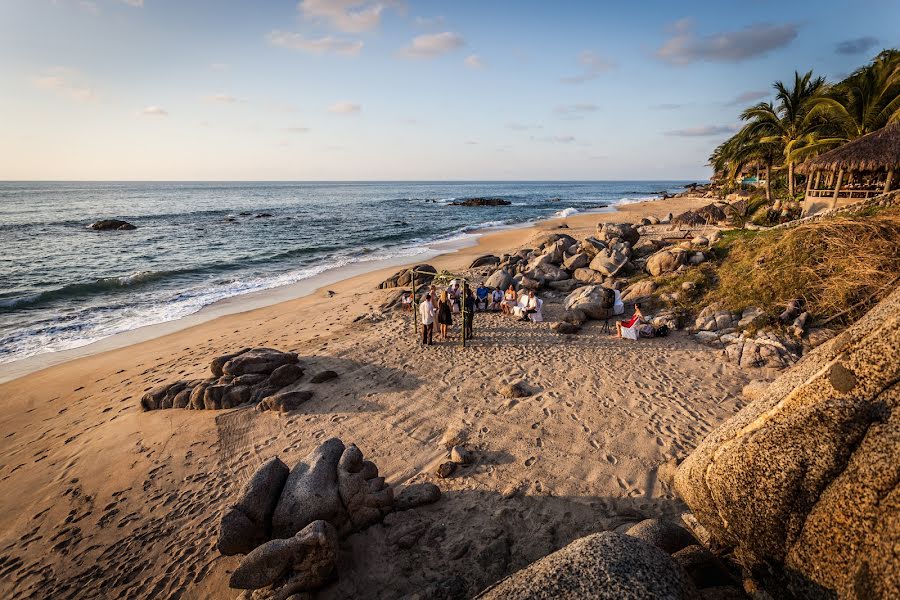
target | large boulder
x=577, y=261
x=302, y=562
x=665, y=535
x=601, y=566
x=610, y=261
x=591, y=246
x=424, y=275
x=589, y=300
x=248, y=523
x=666, y=261
x=486, y=260
x=332, y=483
x=608, y=232
x=500, y=279
x=639, y=291
x=806, y=476
x=586, y=275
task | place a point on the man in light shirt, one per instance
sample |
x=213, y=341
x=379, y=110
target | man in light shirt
x=531, y=306
x=427, y=311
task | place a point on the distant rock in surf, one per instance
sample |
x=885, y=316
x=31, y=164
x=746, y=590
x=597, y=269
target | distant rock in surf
x=482, y=202
x=112, y=225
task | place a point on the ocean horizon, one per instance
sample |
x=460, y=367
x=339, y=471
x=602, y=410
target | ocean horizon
x=65, y=285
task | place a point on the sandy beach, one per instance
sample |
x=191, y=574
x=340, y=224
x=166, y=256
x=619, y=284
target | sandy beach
x=102, y=500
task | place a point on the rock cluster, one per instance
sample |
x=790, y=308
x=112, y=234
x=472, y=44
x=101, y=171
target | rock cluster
x=710, y=214
x=288, y=523
x=803, y=481
x=260, y=376
x=424, y=275
x=744, y=343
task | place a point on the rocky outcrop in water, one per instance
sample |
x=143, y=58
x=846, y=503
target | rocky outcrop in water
x=804, y=480
x=260, y=376
x=482, y=202
x=112, y=225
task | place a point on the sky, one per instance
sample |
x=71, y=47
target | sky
x=402, y=90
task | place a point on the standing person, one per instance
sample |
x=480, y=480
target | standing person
x=469, y=314
x=426, y=311
x=444, y=314
x=454, y=293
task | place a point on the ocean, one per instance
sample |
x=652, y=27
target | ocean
x=64, y=285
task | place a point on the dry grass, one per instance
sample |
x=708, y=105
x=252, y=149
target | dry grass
x=840, y=267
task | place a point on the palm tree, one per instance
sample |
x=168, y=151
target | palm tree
x=792, y=124
x=745, y=147
x=864, y=102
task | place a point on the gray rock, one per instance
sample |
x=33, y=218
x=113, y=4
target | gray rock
x=284, y=375
x=666, y=261
x=600, y=566
x=639, y=291
x=500, y=279
x=486, y=260
x=805, y=476
x=516, y=389
x=248, y=523
x=702, y=565
x=258, y=360
x=462, y=455
x=311, y=492
x=323, y=376
x=446, y=469
x=112, y=225
x=365, y=496
x=217, y=363
x=588, y=300
x=564, y=328
x=586, y=275
x=609, y=262
x=625, y=231
x=577, y=261
x=663, y=534
x=424, y=275
x=417, y=494
x=299, y=563
x=284, y=401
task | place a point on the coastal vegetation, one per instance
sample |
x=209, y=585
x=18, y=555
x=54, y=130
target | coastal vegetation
x=808, y=117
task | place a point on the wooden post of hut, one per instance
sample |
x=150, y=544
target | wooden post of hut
x=888, y=180
x=837, y=188
x=809, y=182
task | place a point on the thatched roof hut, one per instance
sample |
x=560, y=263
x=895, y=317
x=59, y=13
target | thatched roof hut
x=876, y=151
x=857, y=170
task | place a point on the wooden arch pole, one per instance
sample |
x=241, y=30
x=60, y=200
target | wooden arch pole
x=888, y=181
x=837, y=188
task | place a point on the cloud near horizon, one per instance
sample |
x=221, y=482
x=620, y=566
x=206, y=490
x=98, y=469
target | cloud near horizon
x=350, y=16
x=65, y=82
x=702, y=131
x=324, y=45
x=154, y=111
x=344, y=108
x=222, y=98
x=686, y=46
x=593, y=65
x=431, y=45
x=576, y=110
x=856, y=45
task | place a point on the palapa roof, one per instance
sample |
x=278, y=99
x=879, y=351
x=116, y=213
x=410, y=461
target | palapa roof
x=879, y=150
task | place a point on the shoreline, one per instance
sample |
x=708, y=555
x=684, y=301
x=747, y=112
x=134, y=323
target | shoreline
x=242, y=303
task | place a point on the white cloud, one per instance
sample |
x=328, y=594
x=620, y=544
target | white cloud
x=703, y=131
x=352, y=16
x=593, y=66
x=327, y=44
x=433, y=44
x=65, y=82
x=575, y=110
x=473, y=61
x=344, y=108
x=748, y=97
x=154, y=111
x=222, y=99
x=686, y=46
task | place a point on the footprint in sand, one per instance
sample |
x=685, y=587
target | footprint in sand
x=611, y=459
x=530, y=461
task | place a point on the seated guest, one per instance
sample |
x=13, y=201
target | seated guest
x=509, y=300
x=618, y=305
x=496, y=299
x=629, y=329
x=481, y=300
x=529, y=306
x=406, y=301
x=455, y=295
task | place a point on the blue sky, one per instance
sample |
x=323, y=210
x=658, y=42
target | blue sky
x=382, y=90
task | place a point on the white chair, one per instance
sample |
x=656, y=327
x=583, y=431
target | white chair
x=633, y=332
x=618, y=305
